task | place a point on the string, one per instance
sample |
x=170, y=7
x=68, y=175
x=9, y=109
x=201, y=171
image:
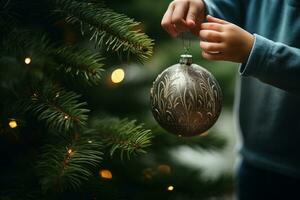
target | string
x=186, y=42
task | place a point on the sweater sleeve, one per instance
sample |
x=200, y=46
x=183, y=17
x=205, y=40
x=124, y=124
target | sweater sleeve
x=274, y=63
x=229, y=10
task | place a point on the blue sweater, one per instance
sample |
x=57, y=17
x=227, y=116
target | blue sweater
x=269, y=93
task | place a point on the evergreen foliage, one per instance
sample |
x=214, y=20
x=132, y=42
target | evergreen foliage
x=123, y=135
x=59, y=109
x=67, y=166
x=113, y=30
x=68, y=150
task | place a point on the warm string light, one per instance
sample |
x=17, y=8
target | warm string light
x=13, y=123
x=105, y=173
x=66, y=117
x=70, y=152
x=170, y=188
x=118, y=75
x=27, y=60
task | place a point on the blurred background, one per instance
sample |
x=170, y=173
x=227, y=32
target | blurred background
x=174, y=168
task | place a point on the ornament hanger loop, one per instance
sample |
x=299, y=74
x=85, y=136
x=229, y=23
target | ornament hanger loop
x=186, y=42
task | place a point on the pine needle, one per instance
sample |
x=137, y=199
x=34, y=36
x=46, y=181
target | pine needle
x=59, y=109
x=126, y=136
x=67, y=166
x=114, y=31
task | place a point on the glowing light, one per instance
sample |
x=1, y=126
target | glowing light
x=27, y=61
x=71, y=152
x=165, y=169
x=170, y=188
x=66, y=117
x=117, y=75
x=90, y=141
x=105, y=173
x=13, y=124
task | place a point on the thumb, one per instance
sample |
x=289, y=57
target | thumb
x=216, y=20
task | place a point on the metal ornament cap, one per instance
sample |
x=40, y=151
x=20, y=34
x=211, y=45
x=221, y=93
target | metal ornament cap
x=186, y=59
x=186, y=99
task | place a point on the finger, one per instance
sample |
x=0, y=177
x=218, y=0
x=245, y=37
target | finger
x=210, y=36
x=212, y=26
x=173, y=31
x=192, y=15
x=200, y=17
x=178, y=16
x=196, y=30
x=180, y=29
x=211, y=46
x=166, y=22
x=210, y=56
x=216, y=20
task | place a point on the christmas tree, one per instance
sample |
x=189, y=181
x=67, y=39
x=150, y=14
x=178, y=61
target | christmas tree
x=51, y=51
x=56, y=55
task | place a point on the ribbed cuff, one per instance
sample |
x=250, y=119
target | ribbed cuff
x=257, y=61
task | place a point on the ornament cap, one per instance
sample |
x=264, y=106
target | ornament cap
x=186, y=59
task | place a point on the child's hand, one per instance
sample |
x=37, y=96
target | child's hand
x=184, y=15
x=222, y=40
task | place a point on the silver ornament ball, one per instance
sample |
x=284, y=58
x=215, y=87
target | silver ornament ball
x=186, y=99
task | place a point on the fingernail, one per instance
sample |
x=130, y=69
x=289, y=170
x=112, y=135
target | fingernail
x=191, y=23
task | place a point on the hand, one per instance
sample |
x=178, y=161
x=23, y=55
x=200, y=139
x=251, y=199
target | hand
x=184, y=15
x=222, y=40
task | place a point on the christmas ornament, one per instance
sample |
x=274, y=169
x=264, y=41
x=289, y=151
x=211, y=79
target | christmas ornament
x=186, y=99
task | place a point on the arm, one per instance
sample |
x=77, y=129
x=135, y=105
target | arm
x=274, y=63
x=229, y=10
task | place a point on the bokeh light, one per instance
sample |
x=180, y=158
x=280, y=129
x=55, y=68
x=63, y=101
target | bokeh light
x=170, y=188
x=13, y=123
x=27, y=61
x=105, y=173
x=118, y=75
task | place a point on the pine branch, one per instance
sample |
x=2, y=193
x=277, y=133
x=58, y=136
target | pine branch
x=65, y=167
x=123, y=135
x=115, y=31
x=80, y=64
x=59, y=109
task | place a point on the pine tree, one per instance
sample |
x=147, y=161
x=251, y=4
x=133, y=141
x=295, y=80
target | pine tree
x=50, y=143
